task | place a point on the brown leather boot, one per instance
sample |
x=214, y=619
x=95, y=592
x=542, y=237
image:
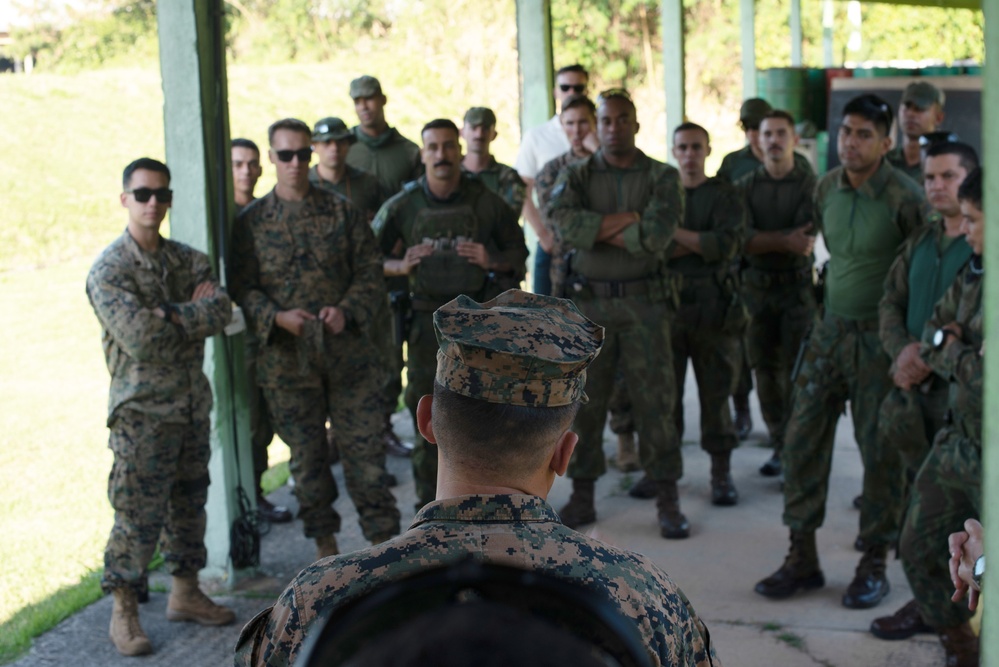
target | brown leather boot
x=627, y=452
x=580, y=510
x=188, y=603
x=126, y=634
x=326, y=546
x=799, y=571
x=672, y=523
x=904, y=623
x=722, y=487
x=961, y=646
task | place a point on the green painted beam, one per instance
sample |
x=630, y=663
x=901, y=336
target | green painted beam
x=796, y=33
x=195, y=101
x=674, y=72
x=534, y=50
x=747, y=23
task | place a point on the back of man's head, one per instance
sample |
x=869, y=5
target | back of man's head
x=967, y=155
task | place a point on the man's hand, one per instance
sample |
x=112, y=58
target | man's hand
x=404, y=266
x=617, y=240
x=333, y=319
x=546, y=240
x=205, y=290
x=965, y=549
x=293, y=320
x=954, y=328
x=910, y=369
x=799, y=242
x=474, y=252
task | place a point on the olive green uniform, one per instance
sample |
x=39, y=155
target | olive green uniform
x=360, y=188
x=504, y=181
x=896, y=157
x=390, y=157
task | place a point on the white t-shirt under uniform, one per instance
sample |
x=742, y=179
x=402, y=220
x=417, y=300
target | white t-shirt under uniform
x=540, y=145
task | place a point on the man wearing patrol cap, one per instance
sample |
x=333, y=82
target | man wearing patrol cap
x=479, y=131
x=331, y=141
x=380, y=149
x=509, y=379
x=920, y=112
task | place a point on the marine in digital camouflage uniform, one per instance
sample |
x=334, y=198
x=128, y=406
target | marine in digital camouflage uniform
x=455, y=233
x=307, y=273
x=157, y=301
x=521, y=351
x=479, y=131
x=618, y=209
x=864, y=211
x=332, y=141
x=914, y=410
x=777, y=274
x=920, y=112
x=711, y=316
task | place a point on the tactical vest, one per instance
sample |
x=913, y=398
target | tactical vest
x=445, y=274
x=930, y=276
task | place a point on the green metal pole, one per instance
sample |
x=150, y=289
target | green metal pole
x=747, y=21
x=674, y=72
x=534, y=50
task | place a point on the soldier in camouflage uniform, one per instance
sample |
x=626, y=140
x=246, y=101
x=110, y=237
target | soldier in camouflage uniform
x=509, y=378
x=457, y=236
x=618, y=209
x=865, y=211
x=479, y=132
x=156, y=300
x=711, y=317
x=948, y=488
x=332, y=141
x=777, y=278
x=307, y=273
x=920, y=112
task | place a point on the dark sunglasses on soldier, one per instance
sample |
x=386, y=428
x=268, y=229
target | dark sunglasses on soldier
x=577, y=88
x=142, y=195
x=303, y=155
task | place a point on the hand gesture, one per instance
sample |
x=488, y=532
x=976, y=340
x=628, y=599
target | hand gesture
x=293, y=320
x=474, y=252
x=333, y=319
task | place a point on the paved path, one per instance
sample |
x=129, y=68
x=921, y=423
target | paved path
x=729, y=550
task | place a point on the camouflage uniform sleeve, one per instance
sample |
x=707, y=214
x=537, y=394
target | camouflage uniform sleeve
x=274, y=637
x=512, y=189
x=725, y=170
x=386, y=228
x=115, y=298
x=204, y=317
x=577, y=226
x=805, y=213
x=661, y=217
x=508, y=237
x=245, y=281
x=724, y=241
x=959, y=362
x=894, y=304
x=912, y=215
x=366, y=292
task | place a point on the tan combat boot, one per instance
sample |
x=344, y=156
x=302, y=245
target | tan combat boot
x=627, y=452
x=188, y=603
x=580, y=509
x=326, y=546
x=126, y=633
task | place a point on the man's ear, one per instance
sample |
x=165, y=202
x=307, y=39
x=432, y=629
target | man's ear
x=566, y=445
x=424, y=418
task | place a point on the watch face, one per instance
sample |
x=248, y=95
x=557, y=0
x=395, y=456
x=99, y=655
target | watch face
x=980, y=566
x=938, y=338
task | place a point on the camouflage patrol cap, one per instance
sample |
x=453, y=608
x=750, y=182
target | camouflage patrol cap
x=519, y=349
x=365, y=86
x=332, y=129
x=923, y=94
x=753, y=110
x=480, y=116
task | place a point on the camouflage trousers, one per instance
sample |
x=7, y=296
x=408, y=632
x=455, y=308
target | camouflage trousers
x=351, y=399
x=391, y=354
x=909, y=420
x=947, y=490
x=421, y=364
x=158, y=487
x=261, y=432
x=716, y=356
x=744, y=379
x=780, y=316
x=621, y=421
x=636, y=341
x=844, y=362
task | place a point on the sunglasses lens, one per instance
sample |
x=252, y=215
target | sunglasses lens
x=142, y=195
x=164, y=195
x=303, y=155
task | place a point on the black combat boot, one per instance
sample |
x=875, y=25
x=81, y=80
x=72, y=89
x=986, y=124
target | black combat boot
x=961, y=646
x=722, y=487
x=799, y=571
x=644, y=488
x=580, y=510
x=672, y=524
x=869, y=585
x=772, y=466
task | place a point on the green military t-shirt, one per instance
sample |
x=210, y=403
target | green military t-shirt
x=714, y=210
x=863, y=229
x=774, y=205
x=391, y=157
x=358, y=187
x=504, y=181
x=896, y=157
x=738, y=163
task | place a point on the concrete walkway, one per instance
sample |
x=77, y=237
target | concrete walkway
x=729, y=550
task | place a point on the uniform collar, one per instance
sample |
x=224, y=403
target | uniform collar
x=599, y=163
x=165, y=256
x=873, y=186
x=515, y=508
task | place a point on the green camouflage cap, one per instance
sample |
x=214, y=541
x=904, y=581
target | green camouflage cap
x=923, y=94
x=519, y=349
x=332, y=129
x=365, y=86
x=480, y=116
x=753, y=110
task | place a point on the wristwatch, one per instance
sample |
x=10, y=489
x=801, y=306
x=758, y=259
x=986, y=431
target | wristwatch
x=940, y=337
x=979, y=571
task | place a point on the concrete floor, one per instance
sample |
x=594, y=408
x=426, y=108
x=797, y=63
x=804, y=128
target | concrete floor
x=730, y=548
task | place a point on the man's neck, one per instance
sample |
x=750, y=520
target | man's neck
x=581, y=152
x=443, y=189
x=912, y=151
x=243, y=198
x=454, y=482
x=621, y=160
x=756, y=151
x=858, y=178
x=691, y=181
x=952, y=226
x=147, y=239
x=291, y=192
x=332, y=174
x=778, y=170
x=377, y=131
x=477, y=162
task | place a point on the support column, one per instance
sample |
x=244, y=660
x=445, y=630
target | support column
x=534, y=50
x=747, y=21
x=674, y=73
x=196, y=124
x=990, y=465
x=796, y=35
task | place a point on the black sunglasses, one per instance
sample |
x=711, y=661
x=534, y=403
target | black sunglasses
x=303, y=155
x=577, y=88
x=142, y=195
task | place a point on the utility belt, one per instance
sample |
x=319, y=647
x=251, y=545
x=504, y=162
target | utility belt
x=776, y=278
x=656, y=288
